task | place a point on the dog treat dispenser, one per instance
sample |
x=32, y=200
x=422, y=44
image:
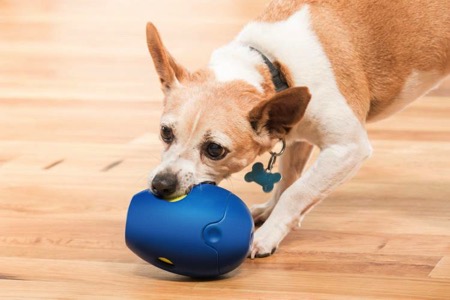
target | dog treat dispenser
x=206, y=233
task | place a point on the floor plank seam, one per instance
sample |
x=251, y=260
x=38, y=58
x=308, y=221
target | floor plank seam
x=112, y=165
x=54, y=164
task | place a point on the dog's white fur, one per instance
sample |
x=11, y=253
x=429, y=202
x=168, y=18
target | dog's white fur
x=328, y=123
x=237, y=61
x=342, y=139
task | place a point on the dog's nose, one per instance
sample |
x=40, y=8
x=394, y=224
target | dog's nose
x=165, y=184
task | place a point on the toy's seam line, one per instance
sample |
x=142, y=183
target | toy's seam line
x=216, y=222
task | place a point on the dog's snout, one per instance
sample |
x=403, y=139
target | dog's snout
x=164, y=184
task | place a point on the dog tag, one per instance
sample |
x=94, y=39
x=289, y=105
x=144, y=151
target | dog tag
x=263, y=177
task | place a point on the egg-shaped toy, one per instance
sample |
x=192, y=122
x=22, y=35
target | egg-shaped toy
x=206, y=233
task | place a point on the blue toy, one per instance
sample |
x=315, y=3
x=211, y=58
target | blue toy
x=206, y=233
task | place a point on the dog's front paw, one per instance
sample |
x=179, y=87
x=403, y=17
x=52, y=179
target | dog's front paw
x=265, y=243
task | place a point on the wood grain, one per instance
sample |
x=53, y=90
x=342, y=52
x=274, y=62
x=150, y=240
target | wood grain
x=79, y=107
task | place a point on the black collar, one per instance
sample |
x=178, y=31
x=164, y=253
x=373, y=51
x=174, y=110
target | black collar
x=277, y=77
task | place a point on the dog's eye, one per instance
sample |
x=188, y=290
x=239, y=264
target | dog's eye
x=215, y=151
x=167, y=134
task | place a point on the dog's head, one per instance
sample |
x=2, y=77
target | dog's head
x=211, y=129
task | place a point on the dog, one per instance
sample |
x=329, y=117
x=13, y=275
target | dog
x=307, y=73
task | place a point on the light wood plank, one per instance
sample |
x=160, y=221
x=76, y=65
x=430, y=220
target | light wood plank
x=442, y=269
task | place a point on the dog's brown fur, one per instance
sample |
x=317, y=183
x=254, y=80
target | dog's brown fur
x=281, y=112
x=370, y=34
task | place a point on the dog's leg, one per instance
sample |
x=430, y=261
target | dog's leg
x=336, y=163
x=291, y=165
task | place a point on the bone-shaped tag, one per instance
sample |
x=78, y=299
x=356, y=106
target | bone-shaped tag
x=261, y=176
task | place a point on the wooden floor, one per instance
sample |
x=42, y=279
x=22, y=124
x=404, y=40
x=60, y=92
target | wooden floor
x=79, y=109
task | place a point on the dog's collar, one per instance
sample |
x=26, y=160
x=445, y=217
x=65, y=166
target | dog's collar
x=278, y=79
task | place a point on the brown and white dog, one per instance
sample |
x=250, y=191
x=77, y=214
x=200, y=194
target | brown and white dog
x=345, y=62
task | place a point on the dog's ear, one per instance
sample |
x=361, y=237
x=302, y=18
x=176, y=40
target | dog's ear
x=280, y=113
x=169, y=71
